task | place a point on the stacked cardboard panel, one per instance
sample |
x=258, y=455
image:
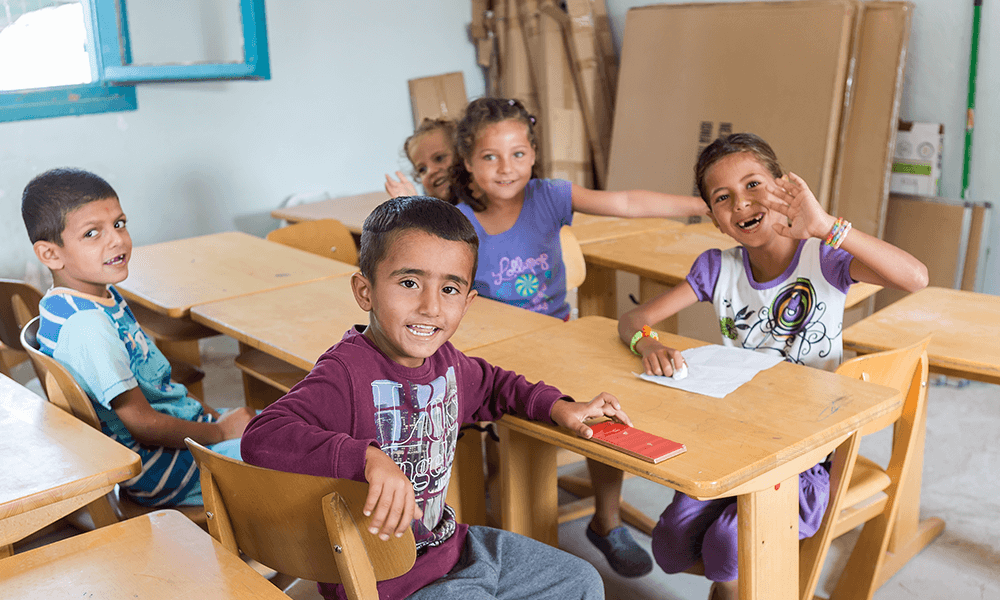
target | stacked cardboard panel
x=861, y=182
x=553, y=58
x=440, y=96
x=692, y=72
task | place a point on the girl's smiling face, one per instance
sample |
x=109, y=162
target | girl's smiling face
x=432, y=158
x=502, y=160
x=735, y=184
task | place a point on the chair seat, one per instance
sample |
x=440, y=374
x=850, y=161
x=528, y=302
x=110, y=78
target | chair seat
x=867, y=480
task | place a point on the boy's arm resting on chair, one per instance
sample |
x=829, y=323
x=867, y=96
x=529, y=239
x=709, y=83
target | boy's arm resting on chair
x=153, y=428
x=309, y=431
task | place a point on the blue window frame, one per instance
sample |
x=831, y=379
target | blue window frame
x=114, y=74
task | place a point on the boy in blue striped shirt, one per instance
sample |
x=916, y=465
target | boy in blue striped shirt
x=77, y=228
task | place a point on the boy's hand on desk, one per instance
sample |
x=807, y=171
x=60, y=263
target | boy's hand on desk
x=658, y=359
x=233, y=422
x=390, y=503
x=572, y=415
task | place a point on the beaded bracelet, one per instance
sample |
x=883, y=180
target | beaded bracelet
x=646, y=331
x=837, y=233
x=841, y=236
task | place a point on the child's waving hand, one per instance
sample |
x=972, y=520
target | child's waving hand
x=791, y=196
x=390, y=502
x=572, y=415
x=403, y=187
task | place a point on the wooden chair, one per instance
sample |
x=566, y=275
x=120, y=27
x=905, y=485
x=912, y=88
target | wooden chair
x=576, y=265
x=325, y=237
x=873, y=495
x=300, y=525
x=63, y=391
x=25, y=297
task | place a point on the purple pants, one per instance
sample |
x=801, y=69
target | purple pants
x=690, y=529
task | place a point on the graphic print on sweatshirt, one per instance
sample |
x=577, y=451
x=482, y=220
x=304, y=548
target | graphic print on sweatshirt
x=527, y=277
x=417, y=427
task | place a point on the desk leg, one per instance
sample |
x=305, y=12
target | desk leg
x=467, y=489
x=649, y=289
x=528, y=496
x=598, y=296
x=769, y=542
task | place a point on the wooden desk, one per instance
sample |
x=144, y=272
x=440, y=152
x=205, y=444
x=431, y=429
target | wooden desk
x=349, y=210
x=751, y=444
x=963, y=325
x=53, y=462
x=160, y=555
x=171, y=277
x=298, y=324
x=590, y=228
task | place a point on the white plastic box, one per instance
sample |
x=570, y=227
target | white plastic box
x=916, y=165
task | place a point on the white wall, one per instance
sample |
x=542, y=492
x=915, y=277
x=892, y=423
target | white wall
x=198, y=158
x=935, y=90
x=206, y=157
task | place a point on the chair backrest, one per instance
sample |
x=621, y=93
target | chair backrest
x=60, y=386
x=898, y=369
x=10, y=289
x=576, y=266
x=903, y=369
x=325, y=237
x=300, y=525
x=18, y=303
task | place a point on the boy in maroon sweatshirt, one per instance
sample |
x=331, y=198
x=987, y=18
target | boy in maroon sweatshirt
x=384, y=405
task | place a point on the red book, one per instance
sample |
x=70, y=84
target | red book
x=635, y=442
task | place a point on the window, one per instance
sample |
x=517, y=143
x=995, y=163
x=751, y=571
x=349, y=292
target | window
x=72, y=57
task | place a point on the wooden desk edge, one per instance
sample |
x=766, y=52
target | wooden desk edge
x=251, y=341
x=556, y=436
x=938, y=365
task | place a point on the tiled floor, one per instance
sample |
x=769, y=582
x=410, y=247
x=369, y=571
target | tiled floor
x=960, y=485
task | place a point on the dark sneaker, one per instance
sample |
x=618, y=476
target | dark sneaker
x=625, y=556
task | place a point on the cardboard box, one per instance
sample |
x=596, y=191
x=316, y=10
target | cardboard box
x=692, y=72
x=916, y=166
x=438, y=96
x=861, y=179
x=944, y=234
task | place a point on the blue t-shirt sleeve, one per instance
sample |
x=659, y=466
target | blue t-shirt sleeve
x=704, y=274
x=90, y=348
x=553, y=197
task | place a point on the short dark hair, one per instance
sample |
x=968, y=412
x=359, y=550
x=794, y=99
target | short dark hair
x=427, y=214
x=734, y=144
x=49, y=197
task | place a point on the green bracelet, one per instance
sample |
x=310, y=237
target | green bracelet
x=646, y=331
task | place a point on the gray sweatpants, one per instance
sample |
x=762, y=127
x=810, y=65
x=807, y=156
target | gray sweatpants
x=504, y=565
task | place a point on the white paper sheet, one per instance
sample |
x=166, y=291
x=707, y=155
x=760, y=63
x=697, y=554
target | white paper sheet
x=716, y=370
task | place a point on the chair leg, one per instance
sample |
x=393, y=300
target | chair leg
x=813, y=550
